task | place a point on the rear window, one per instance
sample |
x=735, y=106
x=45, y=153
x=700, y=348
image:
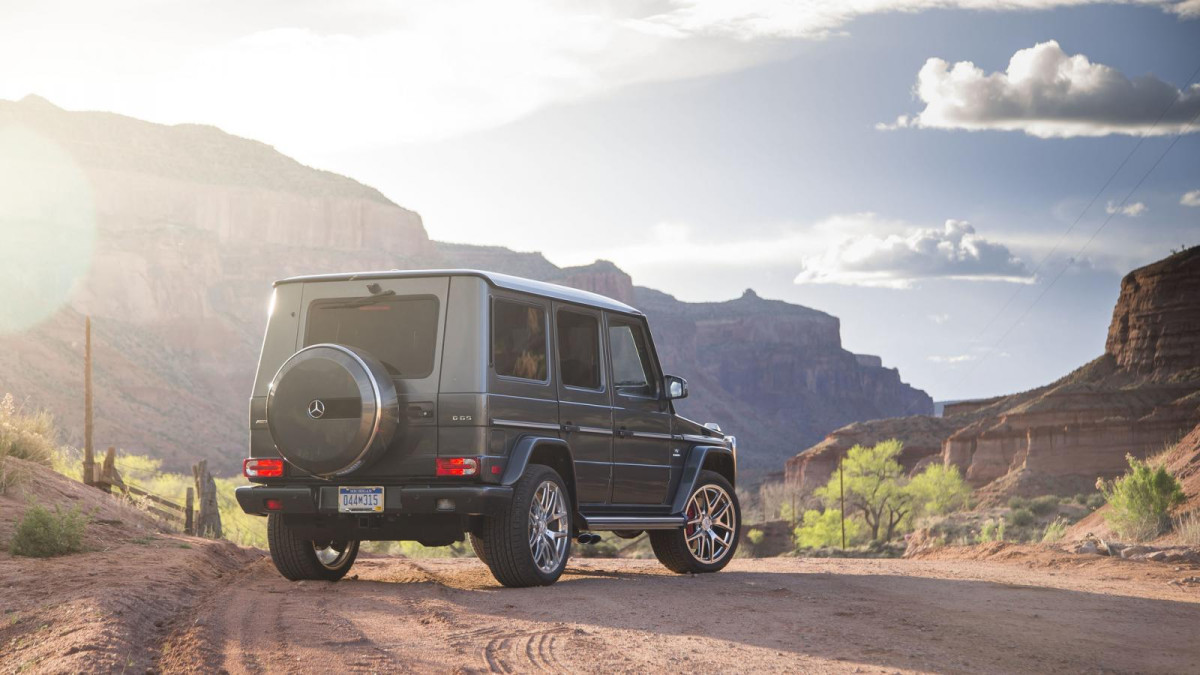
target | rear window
x=400, y=331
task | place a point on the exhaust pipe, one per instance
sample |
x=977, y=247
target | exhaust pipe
x=588, y=538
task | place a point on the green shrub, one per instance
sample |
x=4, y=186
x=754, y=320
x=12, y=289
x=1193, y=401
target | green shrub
x=1095, y=501
x=1140, y=500
x=1018, y=503
x=1022, y=517
x=755, y=537
x=1054, y=531
x=42, y=533
x=1081, y=499
x=1044, y=505
x=818, y=530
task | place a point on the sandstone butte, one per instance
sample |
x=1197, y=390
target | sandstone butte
x=192, y=225
x=1141, y=396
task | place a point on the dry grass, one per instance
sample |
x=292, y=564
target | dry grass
x=27, y=436
x=1187, y=526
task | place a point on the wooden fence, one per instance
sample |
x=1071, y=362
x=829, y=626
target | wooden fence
x=205, y=522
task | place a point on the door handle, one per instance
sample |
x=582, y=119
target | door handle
x=570, y=428
x=623, y=432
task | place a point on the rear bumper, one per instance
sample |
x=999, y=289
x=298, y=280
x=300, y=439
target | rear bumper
x=467, y=500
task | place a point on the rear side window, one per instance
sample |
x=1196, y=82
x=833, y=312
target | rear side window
x=579, y=349
x=519, y=340
x=400, y=331
x=630, y=360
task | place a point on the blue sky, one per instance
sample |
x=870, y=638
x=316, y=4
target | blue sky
x=707, y=150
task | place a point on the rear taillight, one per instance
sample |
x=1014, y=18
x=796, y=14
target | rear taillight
x=457, y=466
x=262, y=468
x=273, y=504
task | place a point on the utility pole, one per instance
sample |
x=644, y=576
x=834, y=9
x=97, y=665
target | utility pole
x=89, y=457
x=842, y=499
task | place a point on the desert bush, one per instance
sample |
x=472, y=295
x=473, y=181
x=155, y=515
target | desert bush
x=1022, y=517
x=1140, y=500
x=1018, y=503
x=755, y=537
x=24, y=436
x=1187, y=526
x=818, y=530
x=1044, y=505
x=992, y=530
x=1054, y=531
x=1095, y=501
x=43, y=533
x=1081, y=499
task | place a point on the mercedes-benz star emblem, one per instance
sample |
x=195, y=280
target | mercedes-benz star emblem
x=316, y=409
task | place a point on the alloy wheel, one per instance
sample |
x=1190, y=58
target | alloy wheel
x=710, y=531
x=331, y=554
x=549, y=527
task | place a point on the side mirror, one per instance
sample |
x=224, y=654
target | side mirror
x=675, y=387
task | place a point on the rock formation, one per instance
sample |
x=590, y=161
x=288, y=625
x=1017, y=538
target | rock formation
x=1140, y=396
x=192, y=225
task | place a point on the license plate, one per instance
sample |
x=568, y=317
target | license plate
x=360, y=499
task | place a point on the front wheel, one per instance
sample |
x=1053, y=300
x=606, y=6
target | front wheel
x=709, y=539
x=299, y=559
x=528, y=544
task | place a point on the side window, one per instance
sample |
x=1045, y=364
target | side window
x=578, y=349
x=631, y=360
x=519, y=340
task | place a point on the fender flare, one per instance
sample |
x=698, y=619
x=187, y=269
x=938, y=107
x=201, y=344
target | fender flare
x=518, y=459
x=691, y=472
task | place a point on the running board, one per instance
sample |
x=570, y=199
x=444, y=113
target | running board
x=634, y=522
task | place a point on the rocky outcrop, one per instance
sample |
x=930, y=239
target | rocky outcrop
x=189, y=226
x=1137, y=398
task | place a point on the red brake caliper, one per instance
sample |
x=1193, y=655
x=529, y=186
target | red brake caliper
x=691, y=515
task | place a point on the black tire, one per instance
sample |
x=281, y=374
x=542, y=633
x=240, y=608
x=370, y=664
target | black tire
x=671, y=546
x=479, y=546
x=297, y=559
x=504, y=539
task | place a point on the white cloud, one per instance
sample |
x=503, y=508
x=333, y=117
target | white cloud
x=958, y=358
x=1046, y=92
x=1132, y=210
x=1191, y=198
x=311, y=77
x=955, y=251
x=939, y=319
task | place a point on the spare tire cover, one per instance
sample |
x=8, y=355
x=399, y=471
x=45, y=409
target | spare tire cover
x=332, y=409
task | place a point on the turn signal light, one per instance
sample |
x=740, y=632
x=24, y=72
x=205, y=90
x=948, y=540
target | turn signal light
x=262, y=468
x=457, y=466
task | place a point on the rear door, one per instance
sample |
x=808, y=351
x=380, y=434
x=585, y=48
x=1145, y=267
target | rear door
x=641, y=418
x=584, y=408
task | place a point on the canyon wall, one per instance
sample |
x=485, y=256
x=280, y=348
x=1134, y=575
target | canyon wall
x=191, y=226
x=1139, y=397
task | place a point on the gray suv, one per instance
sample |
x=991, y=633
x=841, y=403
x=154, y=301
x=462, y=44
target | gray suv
x=436, y=405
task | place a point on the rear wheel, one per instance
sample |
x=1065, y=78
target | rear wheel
x=528, y=543
x=709, y=539
x=299, y=559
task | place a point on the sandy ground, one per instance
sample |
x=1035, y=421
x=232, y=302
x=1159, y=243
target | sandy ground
x=1011, y=609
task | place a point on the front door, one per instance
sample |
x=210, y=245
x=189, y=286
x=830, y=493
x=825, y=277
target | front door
x=584, y=409
x=641, y=417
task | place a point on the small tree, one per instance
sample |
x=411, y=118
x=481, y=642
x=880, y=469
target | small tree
x=874, y=487
x=1141, y=500
x=939, y=490
x=819, y=529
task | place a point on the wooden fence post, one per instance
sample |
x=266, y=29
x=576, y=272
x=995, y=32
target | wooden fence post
x=208, y=517
x=187, y=518
x=89, y=457
x=108, y=474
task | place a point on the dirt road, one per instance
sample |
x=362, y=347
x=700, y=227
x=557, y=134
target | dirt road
x=1017, y=615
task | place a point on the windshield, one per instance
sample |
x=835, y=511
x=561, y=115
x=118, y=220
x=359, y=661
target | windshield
x=400, y=331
